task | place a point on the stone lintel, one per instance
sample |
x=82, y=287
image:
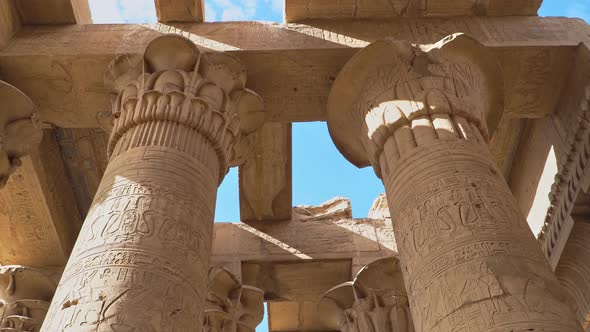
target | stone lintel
x=55, y=11
x=54, y=64
x=356, y=239
x=300, y=10
x=39, y=220
x=180, y=10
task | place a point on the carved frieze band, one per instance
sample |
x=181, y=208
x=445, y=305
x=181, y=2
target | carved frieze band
x=178, y=84
x=20, y=132
x=376, y=301
x=568, y=182
x=24, y=297
x=231, y=306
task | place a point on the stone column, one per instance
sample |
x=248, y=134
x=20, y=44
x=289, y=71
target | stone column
x=231, y=306
x=141, y=260
x=421, y=115
x=20, y=132
x=376, y=301
x=25, y=293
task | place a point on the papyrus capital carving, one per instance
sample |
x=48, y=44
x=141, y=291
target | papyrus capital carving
x=376, y=301
x=232, y=306
x=393, y=85
x=19, y=129
x=25, y=294
x=176, y=82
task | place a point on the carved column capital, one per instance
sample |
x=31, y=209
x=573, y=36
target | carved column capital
x=176, y=82
x=375, y=301
x=393, y=86
x=232, y=306
x=25, y=294
x=20, y=132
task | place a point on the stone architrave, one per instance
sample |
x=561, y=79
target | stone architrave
x=25, y=294
x=376, y=301
x=421, y=115
x=231, y=306
x=141, y=260
x=20, y=132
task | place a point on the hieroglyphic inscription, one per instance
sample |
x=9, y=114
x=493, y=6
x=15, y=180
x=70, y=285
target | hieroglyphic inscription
x=26, y=233
x=142, y=252
x=470, y=262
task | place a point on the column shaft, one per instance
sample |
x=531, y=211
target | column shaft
x=469, y=259
x=142, y=257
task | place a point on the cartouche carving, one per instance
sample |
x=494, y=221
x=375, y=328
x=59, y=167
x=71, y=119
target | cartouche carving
x=140, y=262
x=24, y=297
x=421, y=115
x=20, y=132
x=376, y=301
x=231, y=306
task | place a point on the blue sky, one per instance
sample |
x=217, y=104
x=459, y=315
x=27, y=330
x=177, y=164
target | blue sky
x=319, y=171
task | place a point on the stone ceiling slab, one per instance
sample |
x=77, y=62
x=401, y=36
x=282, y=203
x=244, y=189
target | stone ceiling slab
x=180, y=10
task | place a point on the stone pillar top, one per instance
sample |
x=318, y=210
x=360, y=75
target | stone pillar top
x=175, y=81
x=379, y=284
x=390, y=83
x=229, y=303
x=19, y=129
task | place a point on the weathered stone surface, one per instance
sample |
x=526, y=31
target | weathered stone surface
x=231, y=306
x=421, y=116
x=380, y=208
x=300, y=10
x=180, y=10
x=335, y=209
x=375, y=301
x=142, y=256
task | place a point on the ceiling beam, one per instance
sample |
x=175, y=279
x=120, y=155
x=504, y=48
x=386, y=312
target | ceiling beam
x=180, y=10
x=291, y=66
x=265, y=177
x=301, y=10
x=54, y=11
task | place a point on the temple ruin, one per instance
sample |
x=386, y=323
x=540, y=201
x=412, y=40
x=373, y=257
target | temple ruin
x=114, y=139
